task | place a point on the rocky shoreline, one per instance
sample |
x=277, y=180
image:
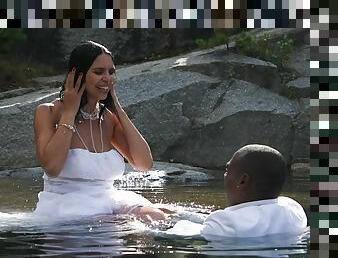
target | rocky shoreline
x=161, y=171
x=194, y=109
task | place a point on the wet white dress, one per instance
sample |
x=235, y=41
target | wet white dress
x=85, y=187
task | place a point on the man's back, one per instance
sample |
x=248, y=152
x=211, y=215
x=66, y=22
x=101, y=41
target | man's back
x=282, y=215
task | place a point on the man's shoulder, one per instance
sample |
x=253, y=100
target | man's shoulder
x=292, y=206
x=222, y=215
x=217, y=213
x=287, y=201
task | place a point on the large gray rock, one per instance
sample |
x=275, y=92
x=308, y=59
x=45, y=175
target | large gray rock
x=300, y=60
x=17, y=146
x=195, y=109
x=160, y=174
x=300, y=86
x=240, y=113
x=301, y=142
x=168, y=96
x=15, y=93
x=224, y=65
x=158, y=109
x=134, y=45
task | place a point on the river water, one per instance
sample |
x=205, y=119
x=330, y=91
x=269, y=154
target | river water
x=106, y=236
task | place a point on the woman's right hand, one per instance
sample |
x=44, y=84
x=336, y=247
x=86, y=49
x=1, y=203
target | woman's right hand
x=73, y=93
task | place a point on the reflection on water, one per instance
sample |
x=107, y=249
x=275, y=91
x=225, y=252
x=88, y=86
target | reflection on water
x=108, y=235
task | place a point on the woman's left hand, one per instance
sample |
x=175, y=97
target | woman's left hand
x=127, y=139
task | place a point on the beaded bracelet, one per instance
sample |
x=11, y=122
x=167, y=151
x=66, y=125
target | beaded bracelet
x=70, y=127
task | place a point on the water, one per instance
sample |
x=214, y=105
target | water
x=108, y=235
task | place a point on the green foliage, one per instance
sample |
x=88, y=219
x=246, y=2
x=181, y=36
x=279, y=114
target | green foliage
x=202, y=43
x=284, y=49
x=287, y=92
x=264, y=48
x=220, y=37
x=9, y=38
x=18, y=74
x=16, y=69
x=9, y=74
x=246, y=44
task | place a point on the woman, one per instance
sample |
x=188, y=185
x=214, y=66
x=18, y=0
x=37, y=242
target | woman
x=81, y=138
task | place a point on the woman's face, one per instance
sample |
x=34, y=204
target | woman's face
x=100, y=77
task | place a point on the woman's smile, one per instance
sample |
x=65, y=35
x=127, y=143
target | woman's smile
x=99, y=77
x=103, y=89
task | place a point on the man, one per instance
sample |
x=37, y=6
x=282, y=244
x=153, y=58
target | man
x=253, y=182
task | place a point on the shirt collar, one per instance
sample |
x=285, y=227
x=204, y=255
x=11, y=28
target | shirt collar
x=253, y=203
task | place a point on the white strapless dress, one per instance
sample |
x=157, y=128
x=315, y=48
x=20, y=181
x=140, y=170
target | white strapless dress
x=85, y=187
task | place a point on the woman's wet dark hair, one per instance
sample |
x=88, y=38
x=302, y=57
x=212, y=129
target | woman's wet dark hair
x=82, y=57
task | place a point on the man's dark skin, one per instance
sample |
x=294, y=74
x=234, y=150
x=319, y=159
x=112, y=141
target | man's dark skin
x=253, y=181
x=255, y=172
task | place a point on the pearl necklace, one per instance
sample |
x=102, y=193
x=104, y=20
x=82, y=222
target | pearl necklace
x=91, y=136
x=91, y=116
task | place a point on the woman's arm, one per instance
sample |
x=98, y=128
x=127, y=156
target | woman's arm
x=52, y=144
x=128, y=140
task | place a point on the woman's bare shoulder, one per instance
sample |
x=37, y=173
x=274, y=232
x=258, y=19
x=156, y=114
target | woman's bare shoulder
x=110, y=115
x=53, y=108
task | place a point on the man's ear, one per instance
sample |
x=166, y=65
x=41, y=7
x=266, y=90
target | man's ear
x=243, y=181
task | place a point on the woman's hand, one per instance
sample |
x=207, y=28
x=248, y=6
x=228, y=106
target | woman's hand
x=113, y=91
x=73, y=93
x=127, y=139
x=52, y=144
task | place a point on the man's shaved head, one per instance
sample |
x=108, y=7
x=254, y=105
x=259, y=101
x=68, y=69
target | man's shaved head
x=266, y=168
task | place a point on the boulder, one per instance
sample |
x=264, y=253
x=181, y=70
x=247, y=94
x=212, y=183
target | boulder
x=17, y=146
x=161, y=173
x=34, y=173
x=242, y=113
x=15, y=93
x=196, y=109
x=300, y=87
x=51, y=81
x=223, y=65
x=134, y=45
x=301, y=142
x=300, y=60
x=158, y=106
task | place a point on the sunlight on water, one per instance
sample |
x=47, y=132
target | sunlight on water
x=116, y=234
x=22, y=233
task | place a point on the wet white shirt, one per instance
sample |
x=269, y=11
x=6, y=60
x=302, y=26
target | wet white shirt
x=282, y=215
x=273, y=216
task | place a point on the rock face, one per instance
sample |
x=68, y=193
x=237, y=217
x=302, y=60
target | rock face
x=133, y=45
x=195, y=109
x=17, y=147
x=300, y=86
x=161, y=173
x=243, y=113
x=301, y=146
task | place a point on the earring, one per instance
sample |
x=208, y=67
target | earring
x=80, y=119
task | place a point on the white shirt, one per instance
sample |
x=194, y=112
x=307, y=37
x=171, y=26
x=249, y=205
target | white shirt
x=258, y=218
x=282, y=215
